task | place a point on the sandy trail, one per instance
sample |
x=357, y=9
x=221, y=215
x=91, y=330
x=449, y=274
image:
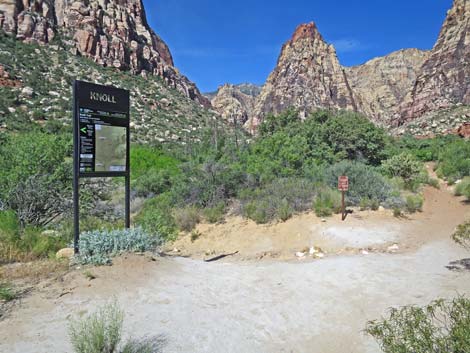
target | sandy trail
x=258, y=306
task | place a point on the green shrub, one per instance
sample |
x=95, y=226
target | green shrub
x=277, y=200
x=454, y=161
x=99, y=332
x=442, y=326
x=434, y=183
x=7, y=293
x=374, y=205
x=364, y=182
x=36, y=176
x=414, y=203
x=284, y=211
x=406, y=167
x=397, y=212
x=462, y=235
x=214, y=214
x=327, y=202
x=187, y=218
x=364, y=204
x=463, y=188
x=258, y=211
x=156, y=217
x=98, y=247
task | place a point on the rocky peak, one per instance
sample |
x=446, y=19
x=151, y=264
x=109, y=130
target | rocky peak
x=235, y=103
x=306, y=31
x=444, y=78
x=110, y=32
x=307, y=76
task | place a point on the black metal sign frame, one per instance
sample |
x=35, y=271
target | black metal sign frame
x=98, y=108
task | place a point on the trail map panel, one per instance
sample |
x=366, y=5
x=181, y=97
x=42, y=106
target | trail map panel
x=102, y=130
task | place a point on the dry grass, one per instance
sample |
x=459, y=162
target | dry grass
x=33, y=271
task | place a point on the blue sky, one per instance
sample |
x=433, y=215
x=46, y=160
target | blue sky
x=217, y=41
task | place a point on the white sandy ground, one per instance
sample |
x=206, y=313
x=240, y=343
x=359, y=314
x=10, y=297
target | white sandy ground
x=320, y=306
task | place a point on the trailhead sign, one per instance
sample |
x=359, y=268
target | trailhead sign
x=101, y=139
x=103, y=129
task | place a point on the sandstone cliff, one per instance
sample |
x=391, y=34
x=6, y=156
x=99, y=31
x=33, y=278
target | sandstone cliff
x=307, y=76
x=235, y=103
x=111, y=32
x=381, y=84
x=444, y=79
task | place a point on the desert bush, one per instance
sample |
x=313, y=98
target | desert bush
x=36, y=176
x=364, y=182
x=98, y=247
x=397, y=212
x=443, y=326
x=7, y=293
x=406, y=167
x=277, y=200
x=327, y=202
x=152, y=170
x=156, y=217
x=99, y=332
x=259, y=211
x=284, y=210
x=453, y=160
x=214, y=214
x=25, y=244
x=187, y=218
x=462, y=235
x=434, y=183
x=414, y=203
x=463, y=188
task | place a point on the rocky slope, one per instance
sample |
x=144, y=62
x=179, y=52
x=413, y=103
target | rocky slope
x=444, y=79
x=110, y=32
x=36, y=89
x=307, y=76
x=381, y=84
x=235, y=103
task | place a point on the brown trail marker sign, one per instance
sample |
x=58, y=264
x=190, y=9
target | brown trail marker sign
x=100, y=140
x=343, y=186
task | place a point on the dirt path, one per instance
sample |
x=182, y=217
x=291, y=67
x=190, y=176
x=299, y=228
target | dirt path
x=318, y=306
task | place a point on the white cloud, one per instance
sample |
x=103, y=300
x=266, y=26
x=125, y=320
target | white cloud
x=347, y=45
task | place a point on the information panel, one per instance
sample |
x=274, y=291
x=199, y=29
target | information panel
x=101, y=130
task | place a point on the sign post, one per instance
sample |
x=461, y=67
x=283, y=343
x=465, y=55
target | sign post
x=343, y=186
x=101, y=140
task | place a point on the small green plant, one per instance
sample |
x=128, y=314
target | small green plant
x=156, y=217
x=397, y=212
x=89, y=275
x=463, y=188
x=7, y=293
x=98, y=247
x=405, y=166
x=327, y=202
x=374, y=205
x=214, y=214
x=364, y=204
x=187, y=218
x=414, y=203
x=258, y=211
x=101, y=332
x=434, y=183
x=195, y=235
x=442, y=326
x=284, y=211
x=462, y=235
